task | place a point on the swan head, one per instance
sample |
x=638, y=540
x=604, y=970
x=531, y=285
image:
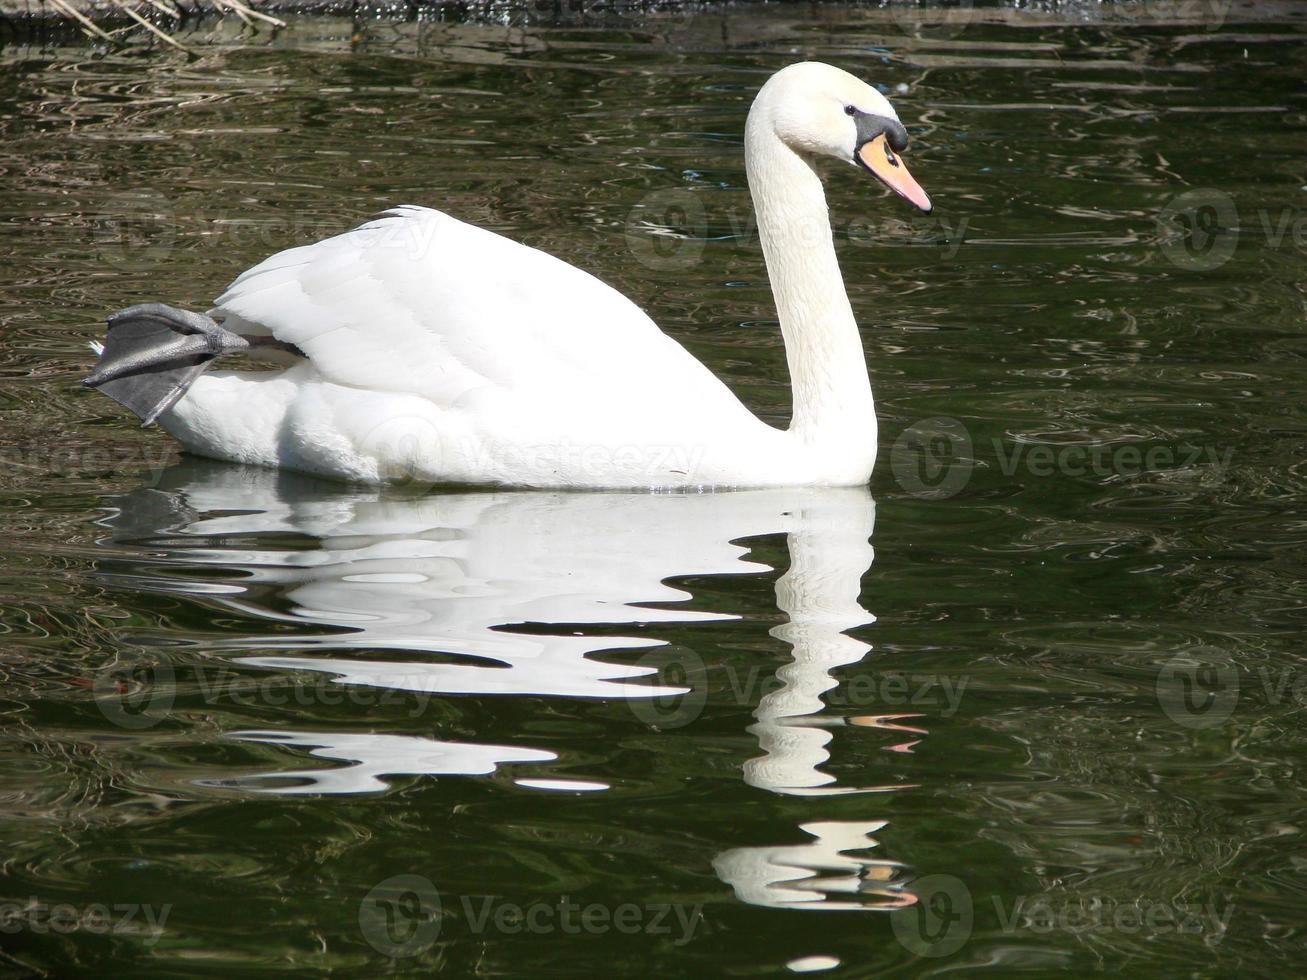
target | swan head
x=819, y=110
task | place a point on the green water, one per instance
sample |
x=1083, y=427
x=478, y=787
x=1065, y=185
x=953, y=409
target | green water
x=260, y=725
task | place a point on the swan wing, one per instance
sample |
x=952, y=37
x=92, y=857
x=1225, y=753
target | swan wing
x=417, y=302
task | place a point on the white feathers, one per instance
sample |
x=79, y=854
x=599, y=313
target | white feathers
x=437, y=351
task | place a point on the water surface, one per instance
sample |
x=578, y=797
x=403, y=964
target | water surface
x=283, y=726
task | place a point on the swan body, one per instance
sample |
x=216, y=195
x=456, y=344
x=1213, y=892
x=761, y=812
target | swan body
x=421, y=348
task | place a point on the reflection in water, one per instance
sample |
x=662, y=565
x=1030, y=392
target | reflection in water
x=1051, y=305
x=457, y=579
x=829, y=553
x=825, y=874
x=374, y=756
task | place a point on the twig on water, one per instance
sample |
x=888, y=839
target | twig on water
x=239, y=13
x=245, y=13
x=161, y=35
x=169, y=8
x=85, y=22
x=163, y=8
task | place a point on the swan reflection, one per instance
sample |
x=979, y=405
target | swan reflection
x=830, y=551
x=374, y=756
x=827, y=873
x=492, y=593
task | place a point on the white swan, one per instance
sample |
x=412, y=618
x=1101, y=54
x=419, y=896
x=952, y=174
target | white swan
x=420, y=347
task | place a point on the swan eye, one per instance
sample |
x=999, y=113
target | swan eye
x=850, y=110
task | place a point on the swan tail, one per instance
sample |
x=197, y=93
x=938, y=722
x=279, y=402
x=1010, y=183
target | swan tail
x=153, y=353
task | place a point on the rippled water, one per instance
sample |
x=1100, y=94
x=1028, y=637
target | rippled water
x=273, y=725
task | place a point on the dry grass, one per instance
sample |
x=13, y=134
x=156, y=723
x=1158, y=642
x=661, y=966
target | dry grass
x=136, y=11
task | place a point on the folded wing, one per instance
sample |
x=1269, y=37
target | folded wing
x=420, y=303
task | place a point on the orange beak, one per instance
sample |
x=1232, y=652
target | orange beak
x=877, y=156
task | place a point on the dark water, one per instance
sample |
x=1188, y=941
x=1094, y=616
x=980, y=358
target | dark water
x=262, y=725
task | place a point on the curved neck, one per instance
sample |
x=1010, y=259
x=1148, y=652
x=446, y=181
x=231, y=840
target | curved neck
x=828, y=372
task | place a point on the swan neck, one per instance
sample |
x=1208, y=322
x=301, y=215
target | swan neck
x=828, y=371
